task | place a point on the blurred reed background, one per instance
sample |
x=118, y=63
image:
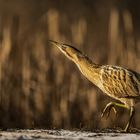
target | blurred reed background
x=39, y=86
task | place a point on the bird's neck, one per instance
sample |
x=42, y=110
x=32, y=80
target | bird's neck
x=89, y=69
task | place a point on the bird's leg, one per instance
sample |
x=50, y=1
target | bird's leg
x=107, y=109
x=132, y=112
x=109, y=106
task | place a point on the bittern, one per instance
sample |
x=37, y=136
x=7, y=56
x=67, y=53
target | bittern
x=119, y=83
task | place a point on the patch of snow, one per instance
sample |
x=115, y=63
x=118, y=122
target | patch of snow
x=42, y=134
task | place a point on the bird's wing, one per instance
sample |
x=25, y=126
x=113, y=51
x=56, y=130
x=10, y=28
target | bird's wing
x=120, y=82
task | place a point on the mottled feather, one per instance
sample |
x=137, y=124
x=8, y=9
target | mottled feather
x=119, y=82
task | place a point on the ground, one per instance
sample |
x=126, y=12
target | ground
x=42, y=134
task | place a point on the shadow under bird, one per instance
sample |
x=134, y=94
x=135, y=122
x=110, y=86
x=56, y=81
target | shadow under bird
x=117, y=82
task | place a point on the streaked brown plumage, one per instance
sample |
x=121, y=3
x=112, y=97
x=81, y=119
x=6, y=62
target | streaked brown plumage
x=117, y=82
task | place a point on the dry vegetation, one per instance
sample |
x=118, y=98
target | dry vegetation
x=39, y=87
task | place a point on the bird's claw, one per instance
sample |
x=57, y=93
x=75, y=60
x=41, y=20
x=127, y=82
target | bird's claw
x=107, y=110
x=122, y=131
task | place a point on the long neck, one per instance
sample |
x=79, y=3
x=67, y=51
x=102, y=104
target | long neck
x=89, y=69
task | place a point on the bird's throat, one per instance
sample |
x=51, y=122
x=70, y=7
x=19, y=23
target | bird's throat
x=89, y=70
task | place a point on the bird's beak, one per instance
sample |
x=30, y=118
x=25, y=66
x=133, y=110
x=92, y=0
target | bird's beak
x=63, y=48
x=59, y=45
x=69, y=51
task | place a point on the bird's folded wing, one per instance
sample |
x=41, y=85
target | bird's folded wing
x=120, y=83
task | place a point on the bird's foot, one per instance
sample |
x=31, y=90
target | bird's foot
x=122, y=131
x=107, y=110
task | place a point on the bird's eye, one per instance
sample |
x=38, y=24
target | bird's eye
x=79, y=56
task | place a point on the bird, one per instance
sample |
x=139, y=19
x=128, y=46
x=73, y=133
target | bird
x=119, y=83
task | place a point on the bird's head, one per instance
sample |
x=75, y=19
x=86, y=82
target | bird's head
x=69, y=51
